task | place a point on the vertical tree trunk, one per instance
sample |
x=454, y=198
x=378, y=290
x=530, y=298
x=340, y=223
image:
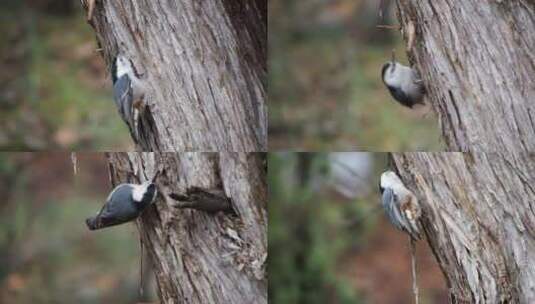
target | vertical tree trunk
x=477, y=62
x=479, y=218
x=204, y=63
x=202, y=257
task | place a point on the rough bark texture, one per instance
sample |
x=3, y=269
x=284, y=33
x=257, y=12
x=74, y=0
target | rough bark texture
x=204, y=63
x=202, y=257
x=479, y=218
x=477, y=62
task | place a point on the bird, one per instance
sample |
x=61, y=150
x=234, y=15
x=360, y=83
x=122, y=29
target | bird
x=400, y=204
x=128, y=92
x=125, y=203
x=403, y=82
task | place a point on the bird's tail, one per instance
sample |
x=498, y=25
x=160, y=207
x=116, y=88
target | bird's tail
x=91, y=223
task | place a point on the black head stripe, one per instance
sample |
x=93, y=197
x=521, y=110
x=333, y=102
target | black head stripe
x=114, y=70
x=149, y=195
x=383, y=71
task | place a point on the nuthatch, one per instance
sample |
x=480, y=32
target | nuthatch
x=125, y=203
x=403, y=82
x=128, y=92
x=400, y=204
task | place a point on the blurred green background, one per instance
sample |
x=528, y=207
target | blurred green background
x=329, y=241
x=325, y=88
x=47, y=254
x=55, y=90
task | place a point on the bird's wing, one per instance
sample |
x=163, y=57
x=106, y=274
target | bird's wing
x=400, y=96
x=123, y=96
x=115, y=206
x=390, y=204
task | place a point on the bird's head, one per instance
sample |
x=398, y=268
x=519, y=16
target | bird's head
x=151, y=192
x=145, y=193
x=388, y=178
x=381, y=188
x=120, y=66
x=386, y=68
x=390, y=66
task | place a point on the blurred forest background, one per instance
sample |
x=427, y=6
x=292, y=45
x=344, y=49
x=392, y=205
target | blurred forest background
x=325, y=87
x=55, y=90
x=47, y=254
x=329, y=241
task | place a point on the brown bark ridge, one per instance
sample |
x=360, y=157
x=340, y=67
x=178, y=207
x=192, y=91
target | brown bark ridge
x=477, y=61
x=478, y=212
x=204, y=64
x=202, y=257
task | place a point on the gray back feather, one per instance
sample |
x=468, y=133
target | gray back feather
x=123, y=96
x=117, y=203
x=391, y=206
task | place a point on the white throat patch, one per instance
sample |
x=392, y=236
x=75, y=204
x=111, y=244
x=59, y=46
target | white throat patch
x=390, y=179
x=139, y=191
x=123, y=66
x=402, y=76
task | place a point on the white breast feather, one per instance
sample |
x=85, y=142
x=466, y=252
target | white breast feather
x=391, y=180
x=139, y=191
x=393, y=78
x=403, y=77
x=124, y=67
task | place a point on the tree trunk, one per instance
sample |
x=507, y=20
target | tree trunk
x=202, y=257
x=204, y=63
x=479, y=218
x=477, y=62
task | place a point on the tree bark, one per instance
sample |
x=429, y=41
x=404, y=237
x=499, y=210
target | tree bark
x=477, y=62
x=479, y=218
x=202, y=257
x=204, y=63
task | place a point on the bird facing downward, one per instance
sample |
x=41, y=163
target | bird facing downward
x=403, y=82
x=125, y=203
x=400, y=204
x=128, y=92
